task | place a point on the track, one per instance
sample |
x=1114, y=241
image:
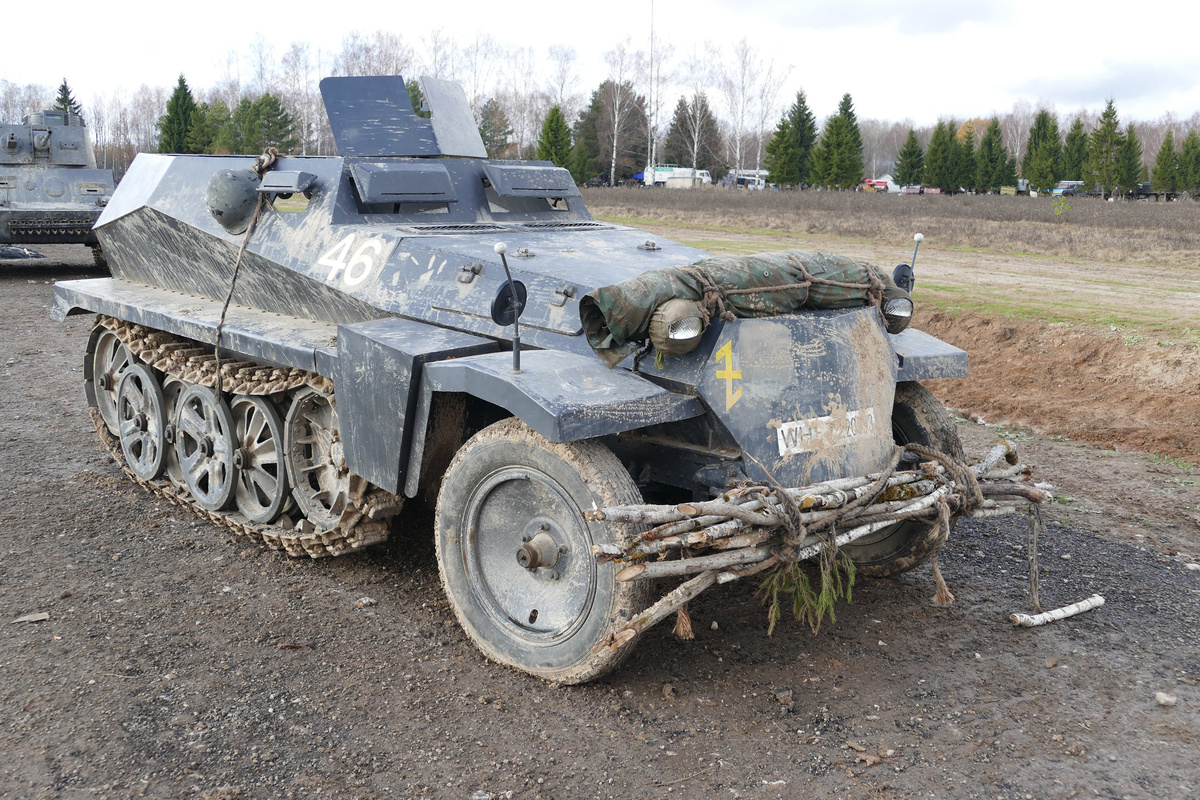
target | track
x=364, y=521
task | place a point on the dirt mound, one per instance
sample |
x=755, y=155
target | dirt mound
x=1092, y=385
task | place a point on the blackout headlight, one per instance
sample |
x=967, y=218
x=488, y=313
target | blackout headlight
x=897, y=313
x=676, y=327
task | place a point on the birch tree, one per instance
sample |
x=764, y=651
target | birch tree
x=737, y=81
x=563, y=81
x=620, y=103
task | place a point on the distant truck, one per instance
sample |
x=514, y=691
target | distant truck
x=675, y=176
x=1146, y=191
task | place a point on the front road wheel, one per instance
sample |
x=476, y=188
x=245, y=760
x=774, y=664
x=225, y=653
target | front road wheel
x=515, y=552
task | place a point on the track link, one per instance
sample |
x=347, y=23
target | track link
x=364, y=522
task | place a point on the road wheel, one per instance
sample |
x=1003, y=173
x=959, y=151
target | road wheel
x=316, y=462
x=917, y=418
x=204, y=446
x=262, y=488
x=142, y=422
x=104, y=363
x=515, y=553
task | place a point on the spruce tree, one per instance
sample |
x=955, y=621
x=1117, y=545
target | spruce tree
x=495, y=129
x=1042, y=163
x=1189, y=164
x=966, y=162
x=207, y=123
x=586, y=162
x=1008, y=173
x=939, y=158
x=1104, y=149
x=694, y=137
x=1165, y=177
x=1130, y=159
x=910, y=163
x=780, y=160
x=991, y=159
x=173, y=127
x=788, y=151
x=554, y=142
x=274, y=126
x=836, y=161
x=416, y=97
x=1075, y=152
x=237, y=136
x=66, y=101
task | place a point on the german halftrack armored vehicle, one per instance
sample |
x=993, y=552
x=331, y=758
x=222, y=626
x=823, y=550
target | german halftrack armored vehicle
x=361, y=312
x=50, y=189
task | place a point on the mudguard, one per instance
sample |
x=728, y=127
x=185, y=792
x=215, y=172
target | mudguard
x=376, y=381
x=563, y=396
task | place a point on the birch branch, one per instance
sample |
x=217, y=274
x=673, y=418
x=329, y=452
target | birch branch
x=656, y=613
x=1034, y=620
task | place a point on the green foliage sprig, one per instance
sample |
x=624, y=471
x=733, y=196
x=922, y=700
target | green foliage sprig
x=812, y=589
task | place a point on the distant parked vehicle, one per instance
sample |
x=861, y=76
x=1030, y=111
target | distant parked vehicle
x=675, y=176
x=1069, y=189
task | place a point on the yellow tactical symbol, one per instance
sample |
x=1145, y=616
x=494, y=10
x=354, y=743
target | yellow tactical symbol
x=729, y=374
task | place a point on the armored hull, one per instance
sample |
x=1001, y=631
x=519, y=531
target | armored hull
x=50, y=189
x=355, y=310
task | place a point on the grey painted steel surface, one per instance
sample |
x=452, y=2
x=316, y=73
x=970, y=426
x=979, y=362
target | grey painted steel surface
x=260, y=335
x=922, y=357
x=563, y=396
x=394, y=248
x=373, y=116
x=388, y=353
x=50, y=189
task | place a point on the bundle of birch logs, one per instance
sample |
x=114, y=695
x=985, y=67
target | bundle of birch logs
x=750, y=529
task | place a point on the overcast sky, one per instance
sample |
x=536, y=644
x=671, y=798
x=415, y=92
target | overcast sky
x=914, y=59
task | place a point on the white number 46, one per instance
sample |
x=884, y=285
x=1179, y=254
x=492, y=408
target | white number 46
x=353, y=269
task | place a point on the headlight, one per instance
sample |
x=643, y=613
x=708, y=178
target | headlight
x=897, y=313
x=676, y=327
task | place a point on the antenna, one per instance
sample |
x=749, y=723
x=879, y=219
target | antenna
x=514, y=302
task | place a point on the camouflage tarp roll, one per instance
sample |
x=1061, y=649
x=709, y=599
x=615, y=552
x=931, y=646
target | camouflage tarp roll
x=616, y=318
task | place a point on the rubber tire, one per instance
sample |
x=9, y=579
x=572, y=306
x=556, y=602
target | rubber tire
x=917, y=418
x=589, y=476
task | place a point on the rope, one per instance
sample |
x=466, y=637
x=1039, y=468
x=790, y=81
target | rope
x=262, y=165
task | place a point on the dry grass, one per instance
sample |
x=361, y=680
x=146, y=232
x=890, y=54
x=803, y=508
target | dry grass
x=1136, y=232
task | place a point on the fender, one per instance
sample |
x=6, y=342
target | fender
x=920, y=356
x=563, y=396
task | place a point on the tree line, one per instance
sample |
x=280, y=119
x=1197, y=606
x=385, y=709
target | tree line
x=714, y=108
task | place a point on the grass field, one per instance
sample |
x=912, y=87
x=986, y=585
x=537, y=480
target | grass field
x=1127, y=264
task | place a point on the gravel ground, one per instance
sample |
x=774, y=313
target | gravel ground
x=175, y=660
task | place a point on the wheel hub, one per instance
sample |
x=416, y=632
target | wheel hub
x=540, y=551
x=337, y=455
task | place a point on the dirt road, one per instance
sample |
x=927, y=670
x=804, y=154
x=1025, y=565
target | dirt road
x=175, y=660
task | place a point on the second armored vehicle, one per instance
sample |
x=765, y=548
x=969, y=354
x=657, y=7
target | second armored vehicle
x=50, y=189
